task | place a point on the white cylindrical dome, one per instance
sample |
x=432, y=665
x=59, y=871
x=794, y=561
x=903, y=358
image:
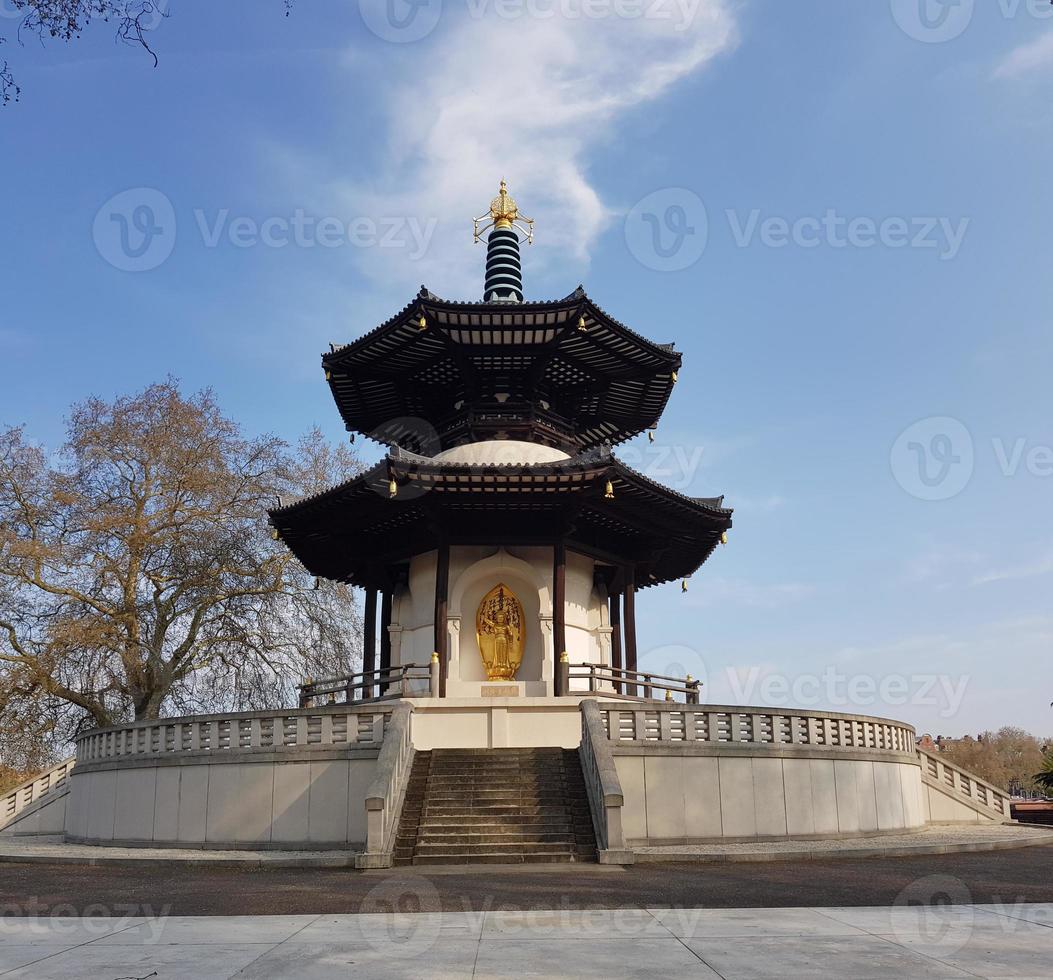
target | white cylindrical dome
x=503, y=451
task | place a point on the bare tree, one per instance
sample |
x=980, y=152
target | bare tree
x=1007, y=758
x=66, y=20
x=138, y=573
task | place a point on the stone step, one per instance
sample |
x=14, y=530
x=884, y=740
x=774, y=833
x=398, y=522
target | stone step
x=497, y=795
x=483, y=824
x=495, y=806
x=501, y=786
x=499, y=810
x=509, y=837
x=500, y=858
x=426, y=848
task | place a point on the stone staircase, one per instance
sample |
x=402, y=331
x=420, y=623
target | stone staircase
x=495, y=806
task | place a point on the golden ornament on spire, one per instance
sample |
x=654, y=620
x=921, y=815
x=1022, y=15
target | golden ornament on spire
x=504, y=213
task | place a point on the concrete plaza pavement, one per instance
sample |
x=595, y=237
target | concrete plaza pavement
x=1024, y=875
x=995, y=940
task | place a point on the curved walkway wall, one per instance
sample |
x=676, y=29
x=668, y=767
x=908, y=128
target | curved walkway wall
x=300, y=778
x=709, y=773
x=296, y=778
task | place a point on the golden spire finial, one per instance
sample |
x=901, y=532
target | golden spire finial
x=504, y=213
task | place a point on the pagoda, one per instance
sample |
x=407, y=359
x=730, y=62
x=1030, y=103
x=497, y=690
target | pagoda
x=500, y=532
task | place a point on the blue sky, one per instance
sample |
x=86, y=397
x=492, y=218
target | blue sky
x=874, y=188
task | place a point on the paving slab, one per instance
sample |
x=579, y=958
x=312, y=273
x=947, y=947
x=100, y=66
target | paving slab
x=632, y=958
x=749, y=923
x=844, y=957
x=452, y=960
x=183, y=962
x=735, y=944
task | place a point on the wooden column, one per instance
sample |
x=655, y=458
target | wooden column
x=559, y=611
x=615, y=605
x=442, y=588
x=629, y=620
x=369, y=642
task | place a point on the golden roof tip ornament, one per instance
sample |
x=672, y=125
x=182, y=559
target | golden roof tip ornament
x=503, y=213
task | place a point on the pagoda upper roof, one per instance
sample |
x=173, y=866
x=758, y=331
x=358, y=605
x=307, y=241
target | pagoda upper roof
x=562, y=372
x=356, y=531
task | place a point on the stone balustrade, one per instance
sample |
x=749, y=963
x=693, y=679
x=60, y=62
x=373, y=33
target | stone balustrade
x=388, y=790
x=338, y=726
x=957, y=783
x=700, y=773
x=727, y=724
x=16, y=801
x=603, y=786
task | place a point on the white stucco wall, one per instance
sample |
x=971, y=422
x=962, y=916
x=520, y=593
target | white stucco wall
x=697, y=797
x=320, y=803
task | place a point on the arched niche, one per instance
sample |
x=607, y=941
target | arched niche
x=531, y=586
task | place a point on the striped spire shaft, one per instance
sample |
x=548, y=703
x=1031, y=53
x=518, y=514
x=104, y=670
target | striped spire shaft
x=504, y=271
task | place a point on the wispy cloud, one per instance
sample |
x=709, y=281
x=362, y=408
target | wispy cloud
x=717, y=590
x=1040, y=566
x=1035, y=56
x=941, y=566
x=527, y=98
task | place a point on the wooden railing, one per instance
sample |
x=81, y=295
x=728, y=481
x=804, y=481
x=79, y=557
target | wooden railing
x=630, y=684
x=603, y=785
x=338, y=727
x=387, y=683
x=387, y=791
x=15, y=801
x=730, y=724
x=955, y=781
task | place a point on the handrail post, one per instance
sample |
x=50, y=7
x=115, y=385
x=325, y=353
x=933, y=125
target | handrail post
x=434, y=679
x=606, y=798
x=564, y=674
x=385, y=794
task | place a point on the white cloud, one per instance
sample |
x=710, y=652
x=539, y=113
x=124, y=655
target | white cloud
x=1032, y=569
x=1034, y=56
x=716, y=590
x=529, y=99
x=940, y=566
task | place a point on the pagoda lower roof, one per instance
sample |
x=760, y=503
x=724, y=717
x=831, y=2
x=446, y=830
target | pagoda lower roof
x=357, y=532
x=515, y=370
